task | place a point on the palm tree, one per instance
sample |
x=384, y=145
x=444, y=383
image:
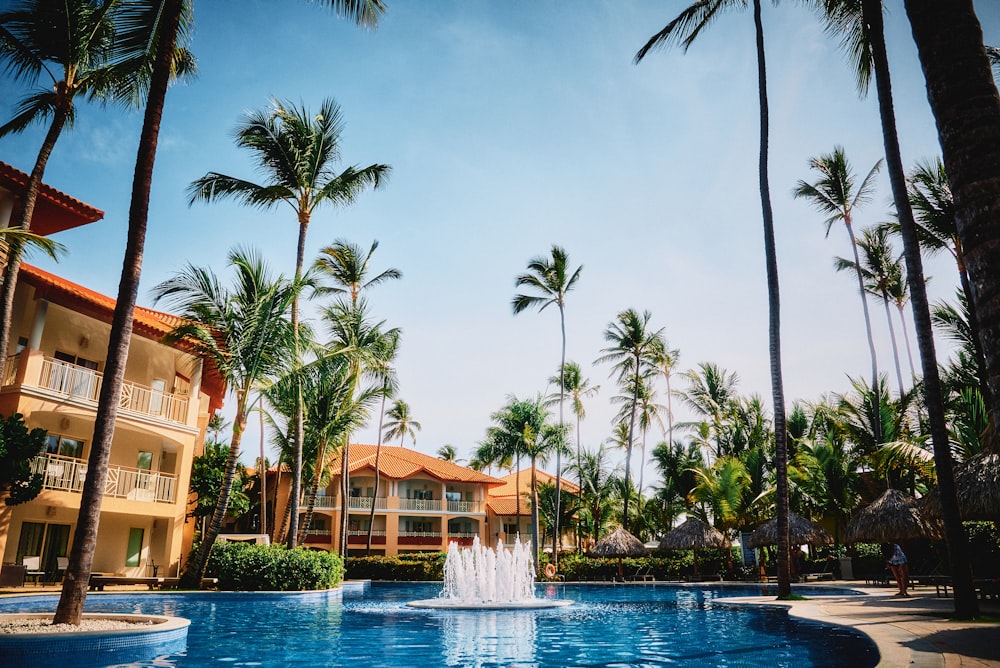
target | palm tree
x=597, y=481
x=666, y=360
x=577, y=388
x=646, y=408
x=879, y=267
x=448, y=453
x=401, y=424
x=865, y=36
x=837, y=194
x=632, y=351
x=95, y=49
x=711, y=394
x=296, y=150
x=242, y=332
x=550, y=280
x=899, y=291
x=685, y=29
x=346, y=264
x=390, y=386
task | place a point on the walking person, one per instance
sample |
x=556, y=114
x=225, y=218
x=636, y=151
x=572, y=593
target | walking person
x=896, y=561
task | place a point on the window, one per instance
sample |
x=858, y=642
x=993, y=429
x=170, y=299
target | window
x=145, y=461
x=22, y=343
x=419, y=526
x=65, y=446
x=76, y=377
x=509, y=528
x=453, y=496
x=459, y=526
x=134, y=553
x=423, y=494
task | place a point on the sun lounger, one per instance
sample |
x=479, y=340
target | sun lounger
x=99, y=582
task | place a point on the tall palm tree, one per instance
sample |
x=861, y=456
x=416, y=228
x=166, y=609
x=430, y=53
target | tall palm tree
x=879, y=267
x=243, y=332
x=296, y=150
x=572, y=383
x=550, y=280
x=899, y=291
x=401, y=423
x=684, y=30
x=448, y=453
x=597, y=482
x=837, y=194
x=864, y=34
x=666, y=360
x=632, y=351
x=346, y=265
x=646, y=408
x=100, y=50
x=390, y=386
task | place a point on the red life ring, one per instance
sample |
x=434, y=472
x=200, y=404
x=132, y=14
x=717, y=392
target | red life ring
x=550, y=571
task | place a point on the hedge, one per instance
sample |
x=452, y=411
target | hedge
x=407, y=567
x=250, y=567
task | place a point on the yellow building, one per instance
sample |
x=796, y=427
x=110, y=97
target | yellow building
x=503, y=508
x=59, y=339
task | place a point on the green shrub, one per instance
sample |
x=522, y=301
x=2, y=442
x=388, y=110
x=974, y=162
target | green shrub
x=249, y=567
x=406, y=567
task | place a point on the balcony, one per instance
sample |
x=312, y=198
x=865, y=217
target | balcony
x=419, y=538
x=360, y=537
x=67, y=474
x=395, y=503
x=83, y=384
x=365, y=503
x=421, y=504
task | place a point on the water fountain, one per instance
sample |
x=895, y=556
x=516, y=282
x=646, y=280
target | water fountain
x=480, y=578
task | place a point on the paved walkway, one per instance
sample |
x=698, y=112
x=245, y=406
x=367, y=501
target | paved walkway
x=914, y=631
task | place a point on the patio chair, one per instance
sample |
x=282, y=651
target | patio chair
x=62, y=563
x=34, y=567
x=12, y=575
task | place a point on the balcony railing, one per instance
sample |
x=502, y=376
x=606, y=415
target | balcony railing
x=68, y=474
x=365, y=503
x=82, y=383
x=421, y=504
x=464, y=506
x=396, y=503
x=9, y=374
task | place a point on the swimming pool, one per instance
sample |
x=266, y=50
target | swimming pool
x=615, y=626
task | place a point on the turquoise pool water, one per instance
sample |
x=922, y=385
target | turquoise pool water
x=614, y=626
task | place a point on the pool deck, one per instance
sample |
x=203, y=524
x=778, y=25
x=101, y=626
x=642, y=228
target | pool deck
x=915, y=631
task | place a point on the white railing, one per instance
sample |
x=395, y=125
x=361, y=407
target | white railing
x=464, y=506
x=365, y=503
x=364, y=532
x=462, y=534
x=320, y=502
x=68, y=474
x=421, y=504
x=82, y=383
x=420, y=534
x=318, y=532
x=9, y=374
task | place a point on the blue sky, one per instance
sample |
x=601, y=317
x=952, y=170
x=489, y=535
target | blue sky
x=510, y=127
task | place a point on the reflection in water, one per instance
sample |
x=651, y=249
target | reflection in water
x=489, y=638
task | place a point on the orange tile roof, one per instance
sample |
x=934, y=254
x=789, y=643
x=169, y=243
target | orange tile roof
x=507, y=506
x=510, y=481
x=398, y=463
x=147, y=322
x=55, y=211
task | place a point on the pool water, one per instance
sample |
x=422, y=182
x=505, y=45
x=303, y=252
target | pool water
x=615, y=626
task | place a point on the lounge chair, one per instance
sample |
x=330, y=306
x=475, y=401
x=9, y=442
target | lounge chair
x=33, y=566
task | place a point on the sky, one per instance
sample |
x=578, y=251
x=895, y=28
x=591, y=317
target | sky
x=511, y=127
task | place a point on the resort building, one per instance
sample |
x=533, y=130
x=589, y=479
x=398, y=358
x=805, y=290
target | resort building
x=59, y=339
x=508, y=518
x=423, y=503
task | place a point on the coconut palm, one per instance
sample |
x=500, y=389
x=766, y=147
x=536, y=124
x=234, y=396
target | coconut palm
x=632, y=351
x=711, y=394
x=550, y=280
x=390, y=386
x=898, y=289
x=100, y=50
x=684, y=29
x=838, y=194
x=647, y=411
x=244, y=333
x=666, y=360
x=864, y=36
x=448, y=453
x=346, y=265
x=572, y=383
x=296, y=151
x=879, y=267
x=401, y=424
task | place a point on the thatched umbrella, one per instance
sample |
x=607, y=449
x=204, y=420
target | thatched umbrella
x=694, y=535
x=800, y=532
x=619, y=544
x=892, y=517
x=977, y=486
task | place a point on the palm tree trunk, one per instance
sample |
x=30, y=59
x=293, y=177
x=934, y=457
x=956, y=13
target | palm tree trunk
x=263, y=469
x=378, y=456
x=970, y=302
x=191, y=578
x=868, y=320
x=535, y=543
x=774, y=322
x=311, y=493
x=297, y=419
x=906, y=340
x=345, y=481
x=279, y=537
x=892, y=339
x=670, y=413
x=517, y=495
x=628, y=446
x=562, y=400
x=74, y=590
x=966, y=605
x=25, y=211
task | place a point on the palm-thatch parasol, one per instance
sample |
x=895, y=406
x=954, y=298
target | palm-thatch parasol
x=694, y=535
x=619, y=544
x=800, y=532
x=892, y=517
x=977, y=486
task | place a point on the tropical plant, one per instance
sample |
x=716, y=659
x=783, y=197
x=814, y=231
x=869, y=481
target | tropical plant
x=666, y=360
x=296, y=150
x=208, y=471
x=346, y=265
x=632, y=351
x=572, y=383
x=550, y=280
x=827, y=476
x=101, y=50
x=711, y=394
x=596, y=489
x=838, y=194
x=684, y=29
x=677, y=464
x=448, y=453
x=244, y=333
x=18, y=448
x=864, y=36
x=401, y=423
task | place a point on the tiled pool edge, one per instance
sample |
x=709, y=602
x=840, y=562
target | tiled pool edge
x=166, y=635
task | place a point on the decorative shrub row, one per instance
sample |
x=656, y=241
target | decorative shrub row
x=407, y=567
x=249, y=567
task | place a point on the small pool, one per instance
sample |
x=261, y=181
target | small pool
x=614, y=626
